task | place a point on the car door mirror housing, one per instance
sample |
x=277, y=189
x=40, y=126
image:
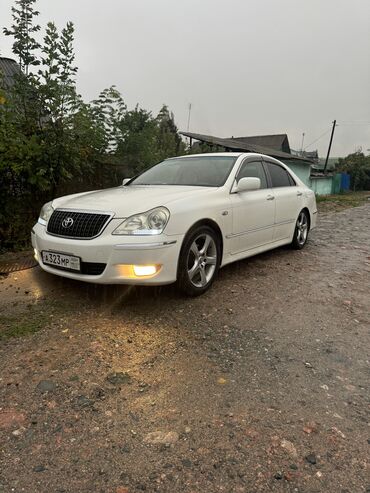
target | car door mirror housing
x=248, y=184
x=125, y=180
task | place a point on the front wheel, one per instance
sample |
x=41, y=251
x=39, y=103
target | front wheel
x=301, y=231
x=199, y=261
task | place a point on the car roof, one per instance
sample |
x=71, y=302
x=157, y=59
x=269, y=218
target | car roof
x=226, y=154
x=220, y=154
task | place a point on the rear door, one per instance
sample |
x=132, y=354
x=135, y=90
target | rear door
x=287, y=201
x=253, y=210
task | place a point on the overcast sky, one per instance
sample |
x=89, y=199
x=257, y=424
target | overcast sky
x=248, y=67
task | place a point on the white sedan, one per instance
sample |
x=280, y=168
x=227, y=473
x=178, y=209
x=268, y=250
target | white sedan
x=179, y=221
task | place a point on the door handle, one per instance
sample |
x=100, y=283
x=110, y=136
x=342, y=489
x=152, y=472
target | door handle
x=270, y=197
x=299, y=194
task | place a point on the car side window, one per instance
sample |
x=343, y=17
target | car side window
x=253, y=169
x=279, y=176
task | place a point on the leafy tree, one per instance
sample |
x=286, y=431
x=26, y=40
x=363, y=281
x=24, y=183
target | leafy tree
x=146, y=140
x=137, y=147
x=358, y=166
x=169, y=141
x=23, y=30
x=51, y=141
x=107, y=113
x=39, y=150
x=59, y=103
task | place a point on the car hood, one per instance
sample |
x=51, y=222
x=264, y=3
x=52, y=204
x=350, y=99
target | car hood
x=125, y=201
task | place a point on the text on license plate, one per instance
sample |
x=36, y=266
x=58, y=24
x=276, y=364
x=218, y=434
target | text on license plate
x=61, y=260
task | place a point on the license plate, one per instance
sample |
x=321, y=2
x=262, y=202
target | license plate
x=61, y=260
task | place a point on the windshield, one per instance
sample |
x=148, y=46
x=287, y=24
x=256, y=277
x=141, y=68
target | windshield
x=202, y=171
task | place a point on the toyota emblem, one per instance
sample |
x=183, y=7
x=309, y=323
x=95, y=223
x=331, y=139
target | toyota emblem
x=67, y=222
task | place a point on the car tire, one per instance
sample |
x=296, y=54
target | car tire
x=199, y=261
x=301, y=230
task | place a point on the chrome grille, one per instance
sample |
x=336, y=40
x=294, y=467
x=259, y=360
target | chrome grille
x=76, y=224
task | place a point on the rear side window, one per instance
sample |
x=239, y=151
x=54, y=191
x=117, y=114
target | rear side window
x=279, y=176
x=253, y=169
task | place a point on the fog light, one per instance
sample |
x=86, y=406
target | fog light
x=130, y=271
x=145, y=270
x=35, y=255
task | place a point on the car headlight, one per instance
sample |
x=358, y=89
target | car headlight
x=45, y=213
x=151, y=222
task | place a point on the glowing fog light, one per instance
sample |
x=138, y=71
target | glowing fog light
x=145, y=270
x=35, y=255
x=129, y=271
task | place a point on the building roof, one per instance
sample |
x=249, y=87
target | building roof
x=9, y=68
x=279, y=142
x=240, y=145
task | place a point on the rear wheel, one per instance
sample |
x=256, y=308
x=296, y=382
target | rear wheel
x=301, y=231
x=199, y=261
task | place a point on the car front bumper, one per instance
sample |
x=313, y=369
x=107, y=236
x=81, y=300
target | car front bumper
x=119, y=253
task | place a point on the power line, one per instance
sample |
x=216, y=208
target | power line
x=318, y=138
x=354, y=123
x=337, y=124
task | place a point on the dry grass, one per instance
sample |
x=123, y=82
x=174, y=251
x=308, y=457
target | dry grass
x=332, y=203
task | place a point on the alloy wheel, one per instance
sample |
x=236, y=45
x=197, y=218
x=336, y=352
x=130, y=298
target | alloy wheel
x=202, y=260
x=302, y=228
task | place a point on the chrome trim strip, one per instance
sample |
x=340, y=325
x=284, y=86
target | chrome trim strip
x=110, y=215
x=144, y=246
x=259, y=246
x=260, y=229
x=288, y=221
x=89, y=211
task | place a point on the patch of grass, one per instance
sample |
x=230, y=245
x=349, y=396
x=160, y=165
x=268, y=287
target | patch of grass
x=327, y=203
x=21, y=326
x=25, y=324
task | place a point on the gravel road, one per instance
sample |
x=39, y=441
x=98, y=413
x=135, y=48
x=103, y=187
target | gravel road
x=260, y=385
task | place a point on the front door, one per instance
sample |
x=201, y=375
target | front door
x=253, y=211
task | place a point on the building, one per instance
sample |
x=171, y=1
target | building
x=311, y=155
x=9, y=68
x=272, y=145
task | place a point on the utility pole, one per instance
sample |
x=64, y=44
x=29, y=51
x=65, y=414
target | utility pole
x=302, y=143
x=331, y=140
x=189, y=116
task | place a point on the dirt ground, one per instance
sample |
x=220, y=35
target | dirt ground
x=260, y=385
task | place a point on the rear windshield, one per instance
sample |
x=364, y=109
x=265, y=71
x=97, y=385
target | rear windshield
x=202, y=171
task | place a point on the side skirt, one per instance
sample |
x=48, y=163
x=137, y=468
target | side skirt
x=255, y=251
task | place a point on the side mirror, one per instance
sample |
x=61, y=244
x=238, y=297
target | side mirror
x=248, y=184
x=125, y=180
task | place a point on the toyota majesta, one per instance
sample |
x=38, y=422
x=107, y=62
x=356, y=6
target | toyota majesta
x=179, y=221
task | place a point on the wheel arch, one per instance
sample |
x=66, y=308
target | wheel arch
x=184, y=283
x=212, y=224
